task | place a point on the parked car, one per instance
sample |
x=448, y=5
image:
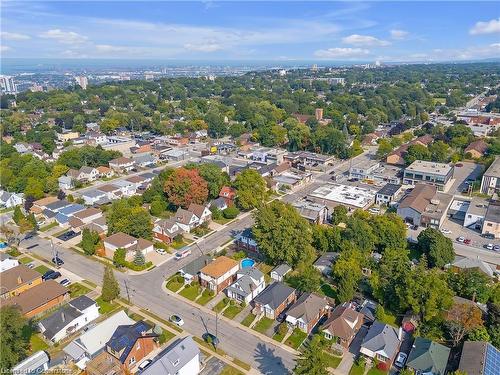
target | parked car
x=211, y=339
x=496, y=248
x=65, y=282
x=182, y=253
x=57, y=261
x=461, y=239
x=51, y=275
x=144, y=364
x=400, y=360
x=445, y=231
x=467, y=241
x=68, y=235
x=374, y=210
x=490, y=246
x=489, y=236
x=160, y=251
x=31, y=265
x=459, y=165
x=177, y=320
x=29, y=235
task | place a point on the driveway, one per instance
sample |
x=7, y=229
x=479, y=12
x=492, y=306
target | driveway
x=350, y=355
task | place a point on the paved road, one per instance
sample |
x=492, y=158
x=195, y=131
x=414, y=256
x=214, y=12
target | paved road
x=146, y=292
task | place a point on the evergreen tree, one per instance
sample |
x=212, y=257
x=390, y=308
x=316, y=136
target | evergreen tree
x=139, y=259
x=17, y=216
x=110, y=287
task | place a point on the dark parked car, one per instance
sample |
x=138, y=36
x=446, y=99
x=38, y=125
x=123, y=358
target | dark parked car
x=489, y=236
x=211, y=339
x=57, y=261
x=51, y=275
x=67, y=236
x=29, y=235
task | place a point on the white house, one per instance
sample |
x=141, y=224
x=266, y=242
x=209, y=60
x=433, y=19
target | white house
x=92, y=342
x=89, y=173
x=186, y=220
x=126, y=187
x=219, y=274
x=34, y=364
x=111, y=190
x=65, y=182
x=249, y=283
x=127, y=242
x=91, y=197
x=203, y=213
x=69, y=319
x=6, y=262
x=122, y=164
x=10, y=199
x=180, y=358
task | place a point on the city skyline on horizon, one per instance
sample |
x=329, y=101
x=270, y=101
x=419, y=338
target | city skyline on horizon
x=260, y=31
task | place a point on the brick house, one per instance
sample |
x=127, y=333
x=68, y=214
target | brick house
x=342, y=325
x=165, y=230
x=274, y=300
x=19, y=279
x=219, y=274
x=228, y=193
x=131, y=343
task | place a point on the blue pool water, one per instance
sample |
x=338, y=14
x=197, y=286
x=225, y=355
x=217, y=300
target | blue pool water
x=247, y=262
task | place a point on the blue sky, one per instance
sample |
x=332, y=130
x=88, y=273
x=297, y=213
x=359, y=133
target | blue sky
x=257, y=30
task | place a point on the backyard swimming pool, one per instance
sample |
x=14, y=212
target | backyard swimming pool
x=247, y=262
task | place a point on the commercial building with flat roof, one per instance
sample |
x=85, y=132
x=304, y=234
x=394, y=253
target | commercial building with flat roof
x=429, y=173
x=491, y=222
x=332, y=195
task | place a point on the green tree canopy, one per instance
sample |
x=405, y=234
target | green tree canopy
x=251, y=189
x=437, y=247
x=14, y=344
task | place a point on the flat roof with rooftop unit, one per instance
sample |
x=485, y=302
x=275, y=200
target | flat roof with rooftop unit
x=351, y=196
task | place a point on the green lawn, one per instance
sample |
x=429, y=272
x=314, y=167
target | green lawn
x=164, y=321
x=190, y=292
x=174, y=285
x=77, y=290
x=248, y=320
x=357, y=370
x=229, y=370
x=178, y=244
x=25, y=260
x=106, y=307
x=333, y=361
x=136, y=317
x=263, y=325
x=296, y=338
x=278, y=337
x=37, y=343
x=220, y=306
x=45, y=228
x=376, y=371
x=242, y=364
x=165, y=336
x=232, y=311
x=42, y=269
x=205, y=297
x=222, y=221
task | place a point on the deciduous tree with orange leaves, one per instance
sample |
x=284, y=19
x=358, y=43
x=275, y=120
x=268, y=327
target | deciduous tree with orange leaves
x=186, y=186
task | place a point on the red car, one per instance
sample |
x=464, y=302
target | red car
x=459, y=165
x=467, y=241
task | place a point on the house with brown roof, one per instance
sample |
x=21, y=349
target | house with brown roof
x=105, y=171
x=88, y=215
x=307, y=311
x=397, y=156
x=41, y=204
x=424, y=206
x=39, y=298
x=17, y=280
x=186, y=220
x=202, y=212
x=342, y=325
x=104, y=364
x=219, y=274
x=228, y=193
x=121, y=164
x=122, y=240
x=165, y=230
x=477, y=148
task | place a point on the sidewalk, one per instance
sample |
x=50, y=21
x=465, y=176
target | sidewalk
x=262, y=337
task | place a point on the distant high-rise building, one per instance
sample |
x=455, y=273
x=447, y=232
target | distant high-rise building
x=36, y=88
x=7, y=85
x=314, y=68
x=282, y=72
x=337, y=81
x=82, y=81
x=149, y=77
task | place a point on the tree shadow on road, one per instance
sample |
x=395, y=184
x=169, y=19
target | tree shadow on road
x=269, y=363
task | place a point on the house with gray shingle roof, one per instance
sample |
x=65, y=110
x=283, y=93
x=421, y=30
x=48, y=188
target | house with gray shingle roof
x=274, y=300
x=249, y=283
x=307, y=311
x=381, y=342
x=191, y=270
x=182, y=358
x=428, y=357
x=280, y=271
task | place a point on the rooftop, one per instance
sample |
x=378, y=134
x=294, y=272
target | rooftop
x=493, y=212
x=479, y=358
x=174, y=357
x=125, y=337
x=389, y=189
x=494, y=168
x=14, y=277
x=274, y=295
x=431, y=167
x=219, y=267
x=344, y=194
x=307, y=307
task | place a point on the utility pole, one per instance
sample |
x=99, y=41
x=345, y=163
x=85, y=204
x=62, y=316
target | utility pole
x=216, y=329
x=126, y=289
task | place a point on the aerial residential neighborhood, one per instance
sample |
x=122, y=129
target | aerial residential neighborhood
x=326, y=211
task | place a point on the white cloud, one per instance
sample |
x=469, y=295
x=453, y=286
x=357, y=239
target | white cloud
x=106, y=48
x=489, y=27
x=13, y=36
x=203, y=47
x=341, y=53
x=5, y=49
x=364, y=40
x=398, y=34
x=65, y=37
x=74, y=54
